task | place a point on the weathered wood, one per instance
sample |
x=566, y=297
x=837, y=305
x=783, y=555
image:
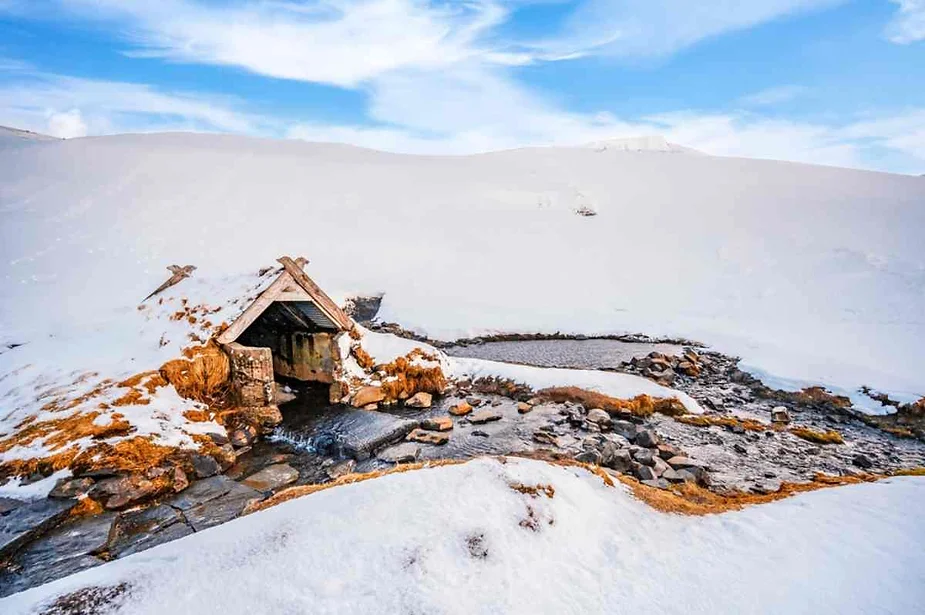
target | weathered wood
x=255, y=310
x=320, y=298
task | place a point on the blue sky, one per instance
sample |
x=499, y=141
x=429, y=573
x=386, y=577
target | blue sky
x=838, y=82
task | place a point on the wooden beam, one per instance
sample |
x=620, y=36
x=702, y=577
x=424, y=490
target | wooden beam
x=255, y=309
x=324, y=303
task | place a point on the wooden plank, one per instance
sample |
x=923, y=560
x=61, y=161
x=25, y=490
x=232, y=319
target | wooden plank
x=255, y=309
x=324, y=303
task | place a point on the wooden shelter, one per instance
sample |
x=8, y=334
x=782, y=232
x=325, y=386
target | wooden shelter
x=291, y=330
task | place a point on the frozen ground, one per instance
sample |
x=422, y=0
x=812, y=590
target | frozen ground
x=460, y=539
x=811, y=274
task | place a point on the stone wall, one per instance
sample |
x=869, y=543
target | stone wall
x=251, y=374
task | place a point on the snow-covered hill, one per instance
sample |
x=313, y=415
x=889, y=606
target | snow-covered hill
x=812, y=274
x=472, y=539
x=15, y=136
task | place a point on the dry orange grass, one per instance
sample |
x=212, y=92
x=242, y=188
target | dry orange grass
x=45, y=466
x=700, y=420
x=58, y=433
x=908, y=472
x=202, y=375
x=132, y=455
x=406, y=378
x=817, y=437
x=641, y=405
x=363, y=359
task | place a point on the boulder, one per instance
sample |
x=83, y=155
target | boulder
x=608, y=451
x=367, y=395
x=68, y=488
x=685, y=462
x=205, y=466
x=479, y=433
x=672, y=476
x=243, y=436
x=440, y=423
x=524, y=408
x=402, y=453
x=272, y=477
x=780, y=415
x=621, y=461
x=596, y=415
x=659, y=483
x=461, y=409
x=625, y=428
x=689, y=368
x=660, y=465
x=646, y=456
x=342, y=468
x=485, y=416
x=862, y=461
x=428, y=437
x=646, y=438
x=667, y=451
x=475, y=402
x=545, y=437
x=119, y=492
x=644, y=472
x=420, y=400
x=593, y=457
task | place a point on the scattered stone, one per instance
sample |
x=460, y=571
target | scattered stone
x=524, y=408
x=461, y=409
x=475, y=402
x=667, y=451
x=646, y=438
x=672, y=476
x=202, y=491
x=205, y=466
x=116, y=493
x=272, y=477
x=440, y=423
x=862, y=461
x=495, y=403
x=420, y=400
x=621, y=461
x=644, y=473
x=479, y=433
x=646, y=456
x=598, y=416
x=222, y=509
x=428, y=437
x=367, y=395
x=180, y=480
x=716, y=403
x=545, y=437
x=402, y=453
x=593, y=457
x=660, y=465
x=685, y=462
x=658, y=483
x=68, y=488
x=780, y=415
x=342, y=468
x=485, y=416
x=739, y=448
x=243, y=436
x=625, y=428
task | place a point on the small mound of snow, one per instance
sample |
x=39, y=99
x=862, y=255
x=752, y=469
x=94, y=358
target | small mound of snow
x=653, y=143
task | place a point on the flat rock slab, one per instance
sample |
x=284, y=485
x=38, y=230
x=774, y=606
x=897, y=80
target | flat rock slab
x=485, y=416
x=402, y=453
x=360, y=433
x=137, y=531
x=201, y=491
x=429, y=437
x=440, y=423
x=272, y=477
x=29, y=521
x=222, y=509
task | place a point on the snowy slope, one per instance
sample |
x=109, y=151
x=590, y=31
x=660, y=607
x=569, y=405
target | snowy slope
x=459, y=539
x=812, y=274
x=14, y=136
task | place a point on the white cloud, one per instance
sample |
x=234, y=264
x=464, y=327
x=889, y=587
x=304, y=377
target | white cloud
x=659, y=27
x=909, y=24
x=773, y=96
x=67, y=125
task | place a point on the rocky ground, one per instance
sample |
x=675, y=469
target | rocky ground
x=751, y=439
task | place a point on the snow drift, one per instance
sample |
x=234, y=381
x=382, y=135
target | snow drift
x=527, y=537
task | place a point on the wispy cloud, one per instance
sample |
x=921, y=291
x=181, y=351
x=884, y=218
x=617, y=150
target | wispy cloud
x=773, y=96
x=909, y=24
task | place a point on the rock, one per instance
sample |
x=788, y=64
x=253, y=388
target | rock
x=428, y=437
x=440, y=423
x=221, y=509
x=24, y=523
x=716, y=403
x=660, y=465
x=272, y=477
x=68, y=488
x=369, y=407
x=420, y=400
x=401, y=453
x=621, y=461
x=180, y=481
x=243, y=436
x=461, y=409
x=205, y=466
x=624, y=428
x=862, y=461
x=596, y=415
x=367, y=395
x=689, y=368
x=779, y=414
x=485, y=416
x=545, y=437
x=667, y=451
x=695, y=475
x=479, y=433
x=524, y=408
x=8, y=505
x=202, y=491
x=475, y=402
x=136, y=531
x=646, y=438
x=659, y=483
x=673, y=476
x=646, y=456
x=336, y=470
x=608, y=451
x=593, y=457
x=116, y=493
x=685, y=462
x=644, y=472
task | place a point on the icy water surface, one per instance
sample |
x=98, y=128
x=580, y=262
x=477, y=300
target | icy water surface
x=577, y=354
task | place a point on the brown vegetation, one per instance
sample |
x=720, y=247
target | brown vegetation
x=363, y=359
x=817, y=437
x=534, y=490
x=405, y=377
x=58, y=433
x=641, y=405
x=701, y=420
x=202, y=375
x=132, y=455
